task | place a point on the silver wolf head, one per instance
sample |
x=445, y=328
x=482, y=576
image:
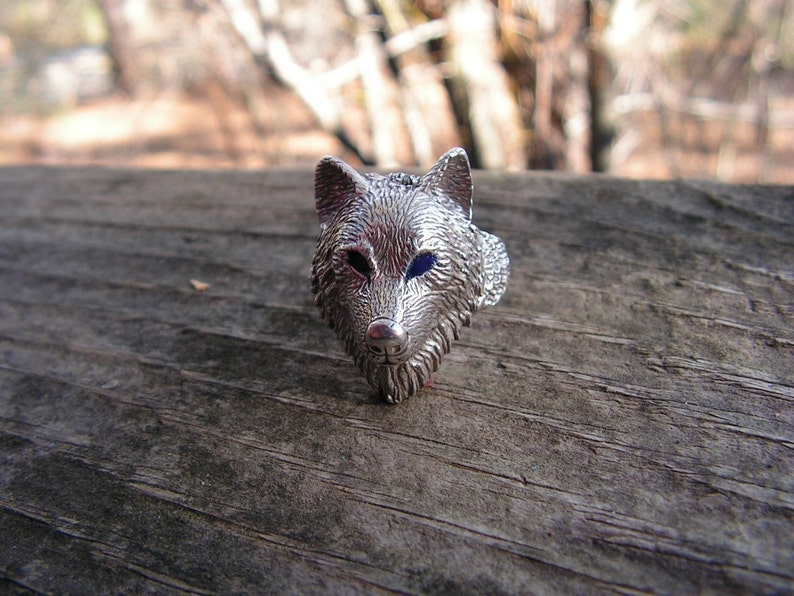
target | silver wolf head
x=399, y=267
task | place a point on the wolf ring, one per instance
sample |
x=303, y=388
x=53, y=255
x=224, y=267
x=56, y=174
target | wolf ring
x=399, y=268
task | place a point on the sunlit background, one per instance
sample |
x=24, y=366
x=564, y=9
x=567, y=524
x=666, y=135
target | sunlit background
x=640, y=88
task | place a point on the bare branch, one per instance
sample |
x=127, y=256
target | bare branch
x=271, y=46
x=416, y=36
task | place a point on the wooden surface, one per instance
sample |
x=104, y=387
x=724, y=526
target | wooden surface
x=623, y=421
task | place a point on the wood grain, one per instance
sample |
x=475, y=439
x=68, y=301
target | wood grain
x=622, y=422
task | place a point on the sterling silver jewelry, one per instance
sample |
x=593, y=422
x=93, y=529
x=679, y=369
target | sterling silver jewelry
x=399, y=267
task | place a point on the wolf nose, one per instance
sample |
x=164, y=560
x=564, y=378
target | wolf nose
x=386, y=336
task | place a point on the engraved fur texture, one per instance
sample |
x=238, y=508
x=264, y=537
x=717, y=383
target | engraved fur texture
x=399, y=268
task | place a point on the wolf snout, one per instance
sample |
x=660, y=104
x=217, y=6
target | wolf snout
x=386, y=338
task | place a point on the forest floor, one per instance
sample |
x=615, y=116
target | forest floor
x=167, y=131
x=170, y=131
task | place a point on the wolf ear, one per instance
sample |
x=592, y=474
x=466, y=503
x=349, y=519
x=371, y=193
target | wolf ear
x=451, y=176
x=335, y=185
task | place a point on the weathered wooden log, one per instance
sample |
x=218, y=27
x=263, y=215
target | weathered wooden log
x=623, y=420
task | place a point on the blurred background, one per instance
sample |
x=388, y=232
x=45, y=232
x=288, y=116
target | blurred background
x=639, y=88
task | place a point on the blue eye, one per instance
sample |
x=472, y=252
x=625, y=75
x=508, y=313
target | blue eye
x=420, y=265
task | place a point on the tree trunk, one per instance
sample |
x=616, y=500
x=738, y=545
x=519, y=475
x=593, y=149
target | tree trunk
x=426, y=104
x=492, y=106
x=381, y=92
x=576, y=105
x=121, y=45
